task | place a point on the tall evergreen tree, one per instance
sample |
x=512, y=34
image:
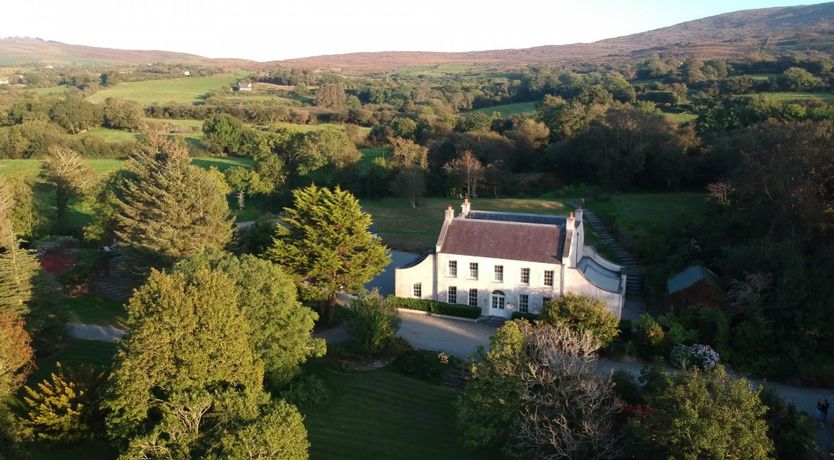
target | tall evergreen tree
x=325, y=242
x=18, y=266
x=167, y=207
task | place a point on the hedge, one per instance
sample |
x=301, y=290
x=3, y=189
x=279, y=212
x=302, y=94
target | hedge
x=528, y=316
x=440, y=308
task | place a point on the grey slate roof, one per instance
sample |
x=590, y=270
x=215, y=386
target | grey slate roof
x=600, y=276
x=689, y=277
x=504, y=240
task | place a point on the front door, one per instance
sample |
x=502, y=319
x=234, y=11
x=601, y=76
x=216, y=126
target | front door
x=498, y=305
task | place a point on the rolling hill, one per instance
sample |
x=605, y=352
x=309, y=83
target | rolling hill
x=769, y=30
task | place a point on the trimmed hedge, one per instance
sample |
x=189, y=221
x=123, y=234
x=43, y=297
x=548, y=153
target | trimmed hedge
x=440, y=308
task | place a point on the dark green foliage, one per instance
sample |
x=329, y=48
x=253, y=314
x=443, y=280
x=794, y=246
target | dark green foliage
x=372, y=324
x=325, y=242
x=426, y=365
x=432, y=306
x=167, y=208
x=793, y=432
x=626, y=387
x=281, y=326
x=119, y=114
x=701, y=414
x=306, y=391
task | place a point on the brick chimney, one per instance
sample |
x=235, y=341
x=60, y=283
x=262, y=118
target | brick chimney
x=464, y=208
x=450, y=214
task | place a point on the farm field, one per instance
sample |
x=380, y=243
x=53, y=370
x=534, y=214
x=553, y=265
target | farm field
x=787, y=97
x=384, y=414
x=415, y=229
x=508, y=110
x=680, y=118
x=435, y=70
x=182, y=90
x=108, y=135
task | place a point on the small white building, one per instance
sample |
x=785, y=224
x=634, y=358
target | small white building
x=244, y=86
x=509, y=262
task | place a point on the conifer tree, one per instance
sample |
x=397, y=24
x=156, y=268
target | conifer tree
x=325, y=242
x=167, y=207
x=18, y=266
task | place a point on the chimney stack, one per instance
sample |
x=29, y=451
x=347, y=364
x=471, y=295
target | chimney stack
x=464, y=208
x=450, y=214
x=579, y=211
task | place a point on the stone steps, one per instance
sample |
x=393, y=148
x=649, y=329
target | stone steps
x=492, y=321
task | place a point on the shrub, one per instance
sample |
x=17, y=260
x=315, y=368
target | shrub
x=527, y=316
x=425, y=365
x=65, y=407
x=432, y=306
x=793, y=433
x=648, y=337
x=306, y=392
x=582, y=313
x=372, y=324
x=626, y=387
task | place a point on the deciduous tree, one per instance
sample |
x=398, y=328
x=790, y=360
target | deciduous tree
x=582, y=313
x=15, y=353
x=67, y=171
x=468, y=171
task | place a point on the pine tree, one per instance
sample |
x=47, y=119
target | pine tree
x=18, y=266
x=325, y=242
x=167, y=207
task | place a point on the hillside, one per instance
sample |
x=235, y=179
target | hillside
x=770, y=30
x=23, y=50
x=801, y=28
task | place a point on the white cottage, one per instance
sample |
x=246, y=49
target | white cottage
x=508, y=262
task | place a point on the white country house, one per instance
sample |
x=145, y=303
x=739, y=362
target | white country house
x=508, y=262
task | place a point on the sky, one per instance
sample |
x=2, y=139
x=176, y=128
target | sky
x=266, y=30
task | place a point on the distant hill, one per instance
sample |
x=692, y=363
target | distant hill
x=801, y=28
x=770, y=30
x=23, y=50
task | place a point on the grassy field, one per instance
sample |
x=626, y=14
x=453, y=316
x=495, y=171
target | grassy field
x=436, y=70
x=30, y=168
x=680, y=118
x=640, y=215
x=384, y=414
x=788, y=97
x=92, y=309
x=508, y=110
x=183, y=90
x=49, y=91
x=403, y=227
x=108, y=135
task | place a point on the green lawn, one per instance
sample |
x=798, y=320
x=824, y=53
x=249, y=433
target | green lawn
x=435, y=70
x=680, y=118
x=508, y=110
x=75, y=352
x=30, y=168
x=404, y=227
x=108, y=135
x=386, y=415
x=49, y=91
x=182, y=123
x=182, y=90
x=645, y=214
x=788, y=97
x=92, y=309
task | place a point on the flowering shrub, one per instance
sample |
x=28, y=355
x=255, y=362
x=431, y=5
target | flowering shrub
x=443, y=358
x=699, y=355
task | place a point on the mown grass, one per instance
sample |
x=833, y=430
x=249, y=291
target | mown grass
x=92, y=309
x=384, y=414
x=508, y=110
x=415, y=229
x=789, y=97
x=75, y=352
x=182, y=90
x=648, y=214
x=108, y=135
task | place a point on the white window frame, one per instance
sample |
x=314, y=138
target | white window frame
x=524, y=305
x=472, y=293
x=498, y=300
x=473, y=270
x=546, y=273
x=417, y=290
x=499, y=273
x=449, y=293
x=525, y=270
x=452, y=269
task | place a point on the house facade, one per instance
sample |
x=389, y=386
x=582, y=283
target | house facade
x=508, y=262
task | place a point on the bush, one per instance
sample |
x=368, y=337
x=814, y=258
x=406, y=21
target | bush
x=425, y=365
x=431, y=306
x=626, y=386
x=648, y=337
x=372, y=324
x=527, y=316
x=582, y=313
x=702, y=356
x=306, y=392
x=793, y=433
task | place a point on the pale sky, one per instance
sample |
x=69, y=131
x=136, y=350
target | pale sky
x=269, y=30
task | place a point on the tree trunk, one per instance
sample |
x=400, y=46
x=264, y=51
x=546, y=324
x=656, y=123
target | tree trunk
x=329, y=308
